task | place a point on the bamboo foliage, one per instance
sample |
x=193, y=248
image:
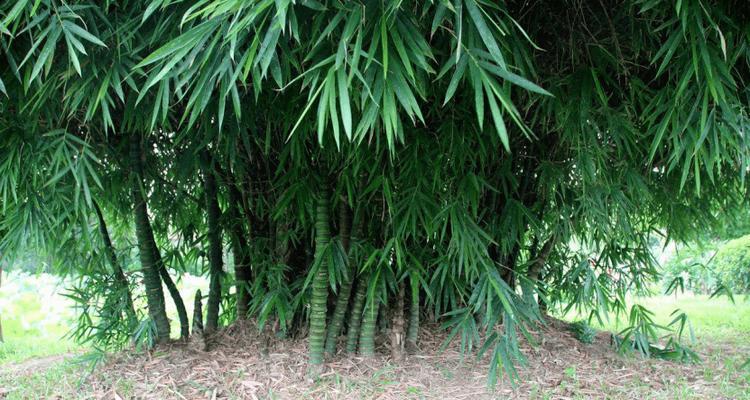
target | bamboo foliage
x=493, y=159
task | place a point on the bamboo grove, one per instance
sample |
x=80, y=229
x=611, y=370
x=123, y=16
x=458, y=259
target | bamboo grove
x=348, y=170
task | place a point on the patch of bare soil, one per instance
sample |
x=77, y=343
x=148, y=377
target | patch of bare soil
x=34, y=364
x=242, y=364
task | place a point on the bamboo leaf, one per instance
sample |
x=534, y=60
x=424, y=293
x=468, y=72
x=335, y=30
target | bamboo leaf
x=484, y=32
x=346, y=114
x=497, y=118
x=82, y=33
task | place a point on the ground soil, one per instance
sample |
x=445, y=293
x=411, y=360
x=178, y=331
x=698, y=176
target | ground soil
x=243, y=364
x=35, y=364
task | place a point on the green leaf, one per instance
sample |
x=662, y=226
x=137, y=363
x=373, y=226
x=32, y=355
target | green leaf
x=82, y=33
x=403, y=54
x=72, y=56
x=47, y=52
x=268, y=48
x=514, y=79
x=384, y=44
x=346, y=113
x=457, y=75
x=14, y=12
x=306, y=109
x=497, y=118
x=187, y=39
x=484, y=32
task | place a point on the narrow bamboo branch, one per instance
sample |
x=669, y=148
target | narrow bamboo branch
x=117, y=271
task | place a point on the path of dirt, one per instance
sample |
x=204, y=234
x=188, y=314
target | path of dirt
x=30, y=366
x=33, y=364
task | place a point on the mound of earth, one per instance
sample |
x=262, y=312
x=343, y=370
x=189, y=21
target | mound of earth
x=243, y=364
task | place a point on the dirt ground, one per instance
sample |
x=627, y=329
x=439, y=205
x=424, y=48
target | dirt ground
x=243, y=365
x=35, y=364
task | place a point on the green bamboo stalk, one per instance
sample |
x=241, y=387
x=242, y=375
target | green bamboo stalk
x=174, y=293
x=242, y=272
x=239, y=240
x=412, y=332
x=342, y=300
x=355, y=317
x=117, y=271
x=213, y=214
x=319, y=299
x=369, y=323
x=149, y=266
x=397, y=325
x=538, y=263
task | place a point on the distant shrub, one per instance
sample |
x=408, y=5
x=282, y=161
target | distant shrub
x=28, y=262
x=706, y=269
x=687, y=270
x=732, y=264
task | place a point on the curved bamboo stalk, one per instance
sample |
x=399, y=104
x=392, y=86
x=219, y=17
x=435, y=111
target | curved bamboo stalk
x=149, y=266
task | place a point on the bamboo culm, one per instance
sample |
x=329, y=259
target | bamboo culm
x=342, y=299
x=117, y=271
x=151, y=278
x=355, y=317
x=216, y=267
x=412, y=332
x=369, y=325
x=319, y=299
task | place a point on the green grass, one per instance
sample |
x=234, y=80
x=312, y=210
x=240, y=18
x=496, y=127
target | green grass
x=35, y=317
x=722, y=332
x=60, y=380
x=716, y=319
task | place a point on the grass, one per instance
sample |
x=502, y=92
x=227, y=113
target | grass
x=57, y=380
x=722, y=334
x=60, y=380
x=716, y=318
x=712, y=319
x=35, y=317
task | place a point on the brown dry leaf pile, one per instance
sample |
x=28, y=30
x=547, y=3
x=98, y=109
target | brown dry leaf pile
x=243, y=365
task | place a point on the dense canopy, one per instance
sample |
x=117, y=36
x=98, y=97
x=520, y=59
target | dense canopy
x=471, y=162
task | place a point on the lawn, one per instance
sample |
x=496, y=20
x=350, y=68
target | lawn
x=35, y=317
x=41, y=328
x=717, y=318
x=712, y=319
